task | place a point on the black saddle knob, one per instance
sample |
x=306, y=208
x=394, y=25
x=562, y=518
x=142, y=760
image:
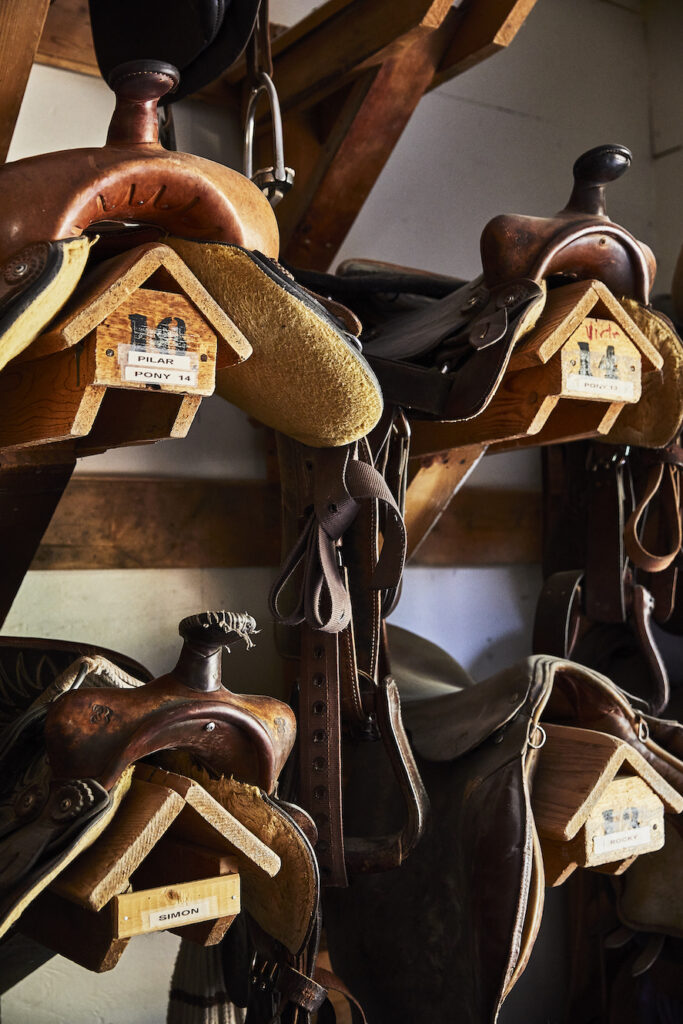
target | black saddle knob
x=592, y=172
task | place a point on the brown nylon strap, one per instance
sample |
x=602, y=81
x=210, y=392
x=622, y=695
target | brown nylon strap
x=663, y=482
x=604, y=596
x=319, y=747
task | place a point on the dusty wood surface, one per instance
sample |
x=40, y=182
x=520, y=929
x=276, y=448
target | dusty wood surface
x=66, y=41
x=480, y=31
x=432, y=489
x=21, y=24
x=137, y=523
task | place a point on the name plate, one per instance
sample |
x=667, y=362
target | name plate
x=155, y=367
x=627, y=839
x=183, y=913
x=599, y=362
x=159, y=341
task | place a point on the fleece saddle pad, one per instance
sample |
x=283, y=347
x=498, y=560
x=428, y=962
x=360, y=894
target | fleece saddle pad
x=306, y=376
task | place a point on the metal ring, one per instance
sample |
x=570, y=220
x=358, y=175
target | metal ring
x=643, y=730
x=544, y=737
x=264, y=84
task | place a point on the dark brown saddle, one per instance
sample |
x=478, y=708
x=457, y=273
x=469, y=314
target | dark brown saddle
x=455, y=925
x=440, y=346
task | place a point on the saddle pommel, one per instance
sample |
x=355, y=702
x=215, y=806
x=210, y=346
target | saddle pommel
x=139, y=85
x=592, y=172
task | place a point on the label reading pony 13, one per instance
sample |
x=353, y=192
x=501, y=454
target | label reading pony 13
x=599, y=362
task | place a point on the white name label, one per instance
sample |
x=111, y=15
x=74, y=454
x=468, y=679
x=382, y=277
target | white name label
x=160, y=375
x=182, y=913
x=164, y=360
x=628, y=839
x=624, y=390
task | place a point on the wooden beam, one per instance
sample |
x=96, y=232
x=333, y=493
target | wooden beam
x=21, y=23
x=66, y=41
x=137, y=523
x=479, y=31
x=349, y=163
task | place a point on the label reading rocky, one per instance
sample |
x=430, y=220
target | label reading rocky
x=626, y=839
x=182, y=913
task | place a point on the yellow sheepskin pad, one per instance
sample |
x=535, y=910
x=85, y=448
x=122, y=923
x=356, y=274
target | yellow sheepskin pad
x=657, y=418
x=303, y=378
x=27, y=326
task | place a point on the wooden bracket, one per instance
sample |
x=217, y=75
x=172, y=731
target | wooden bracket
x=569, y=378
x=137, y=877
x=597, y=802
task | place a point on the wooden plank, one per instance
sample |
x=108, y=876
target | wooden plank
x=104, y=523
x=338, y=39
x=51, y=399
x=346, y=172
x=104, y=870
x=80, y=935
x=430, y=491
x=480, y=30
x=29, y=494
x=174, y=861
x=21, y=24
x=138, y=523
x=206, y=823
x=66, y=41
x=153, y=910
x=485, y=526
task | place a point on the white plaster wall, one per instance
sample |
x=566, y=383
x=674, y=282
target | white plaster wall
x=501, y=138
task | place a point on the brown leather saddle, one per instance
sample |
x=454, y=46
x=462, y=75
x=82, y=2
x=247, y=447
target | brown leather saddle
x=67, y=749
x=452, y=929
x=440, y=346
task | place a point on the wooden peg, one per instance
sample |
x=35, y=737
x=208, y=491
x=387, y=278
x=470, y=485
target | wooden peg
x=78, y=934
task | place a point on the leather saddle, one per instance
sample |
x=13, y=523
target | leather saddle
x=454, y=926
x=440, y=346
x=68, y=753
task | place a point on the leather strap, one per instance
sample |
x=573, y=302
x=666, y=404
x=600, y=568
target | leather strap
x=319, y=741
x=331, y=982
x=604, y=596
x=558, y=614
x=341, y=483
x=663, y=482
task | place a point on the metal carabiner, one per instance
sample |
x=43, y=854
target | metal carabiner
x=274, y=181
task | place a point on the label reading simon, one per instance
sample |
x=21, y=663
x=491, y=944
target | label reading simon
x=627, y=839
x=182, y=913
